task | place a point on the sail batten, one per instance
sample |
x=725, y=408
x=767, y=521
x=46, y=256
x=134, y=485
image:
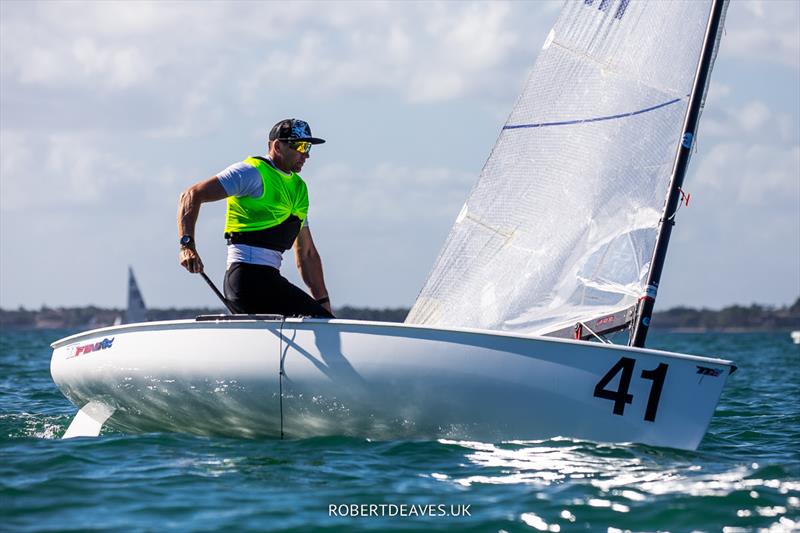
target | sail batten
x=561, y=226
x=595, y=119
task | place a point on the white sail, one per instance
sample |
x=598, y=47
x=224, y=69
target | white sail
x=561, y=225
x=135, y=310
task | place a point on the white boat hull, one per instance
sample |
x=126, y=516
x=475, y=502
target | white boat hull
x=383, y=381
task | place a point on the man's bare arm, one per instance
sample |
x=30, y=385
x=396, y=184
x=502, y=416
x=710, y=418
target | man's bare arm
x=309, y=264
x=210, y=190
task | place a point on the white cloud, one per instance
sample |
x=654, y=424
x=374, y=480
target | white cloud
x=63, y=171
x=755, y=161
x=195, y=109
x=753, y=175
x=17, y=159
x=717, y=91
x=754, y=120
x=764, y=30
x=753, y=116
x=432, y=192
x=84, y=63
x=40, y=50
x=425, y=52
x=119, y=68
x=105, y=58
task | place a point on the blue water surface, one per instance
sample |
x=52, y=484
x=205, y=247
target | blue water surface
x=744, y=477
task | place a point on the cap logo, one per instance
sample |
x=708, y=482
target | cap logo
x=300, y=129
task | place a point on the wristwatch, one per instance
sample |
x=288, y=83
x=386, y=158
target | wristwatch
x=187, y=241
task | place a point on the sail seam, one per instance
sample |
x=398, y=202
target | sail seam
x=604, y=65
x=595, y=119
x=490, y=228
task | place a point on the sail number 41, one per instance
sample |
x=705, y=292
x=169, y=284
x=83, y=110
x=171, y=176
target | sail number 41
x=620, y=397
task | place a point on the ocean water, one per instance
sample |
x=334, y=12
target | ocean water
x=744, y=477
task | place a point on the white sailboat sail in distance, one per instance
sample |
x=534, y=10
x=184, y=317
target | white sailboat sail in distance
x=135, y=310
x=561, y=225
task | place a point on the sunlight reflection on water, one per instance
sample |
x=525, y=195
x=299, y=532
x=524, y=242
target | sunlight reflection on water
x=616, y=473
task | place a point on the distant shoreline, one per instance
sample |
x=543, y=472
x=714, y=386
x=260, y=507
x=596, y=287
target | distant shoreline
x=679, y=319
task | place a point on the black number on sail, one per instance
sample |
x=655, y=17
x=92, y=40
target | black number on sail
x=603, y=6
x=657, y=376
x=620, y=396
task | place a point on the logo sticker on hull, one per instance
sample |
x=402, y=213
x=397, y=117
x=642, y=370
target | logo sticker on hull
x=75, y=351
x=706, y=371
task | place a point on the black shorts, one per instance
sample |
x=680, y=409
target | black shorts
x=260, y=289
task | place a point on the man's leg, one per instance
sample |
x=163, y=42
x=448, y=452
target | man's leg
x=259, y=289
x=297, y=302
x=245, y=289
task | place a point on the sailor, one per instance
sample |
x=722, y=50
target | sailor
x=266, y=215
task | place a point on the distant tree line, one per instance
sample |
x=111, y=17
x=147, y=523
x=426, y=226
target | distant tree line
x=733, y=317
x=754, y=317
x=91, y=316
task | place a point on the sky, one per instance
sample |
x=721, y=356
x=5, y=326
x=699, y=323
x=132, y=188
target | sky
x=108, y=110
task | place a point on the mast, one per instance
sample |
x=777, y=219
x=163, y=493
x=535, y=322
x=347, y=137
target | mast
x=641, y=323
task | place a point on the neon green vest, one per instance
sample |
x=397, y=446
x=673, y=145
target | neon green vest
x=283, y=196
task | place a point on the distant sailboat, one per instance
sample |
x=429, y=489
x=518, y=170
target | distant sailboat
x=135, y=311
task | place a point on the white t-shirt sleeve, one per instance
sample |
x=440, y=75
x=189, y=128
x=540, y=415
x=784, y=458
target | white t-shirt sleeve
x=241, y=179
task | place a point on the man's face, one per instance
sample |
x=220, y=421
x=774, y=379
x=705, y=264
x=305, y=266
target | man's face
x=293, y=159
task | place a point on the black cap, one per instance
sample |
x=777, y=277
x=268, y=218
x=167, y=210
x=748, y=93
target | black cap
x=292, y=129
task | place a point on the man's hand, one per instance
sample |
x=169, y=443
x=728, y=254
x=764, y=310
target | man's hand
x=190, y=260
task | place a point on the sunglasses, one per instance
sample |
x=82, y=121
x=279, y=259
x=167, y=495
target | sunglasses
x=301, y=146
